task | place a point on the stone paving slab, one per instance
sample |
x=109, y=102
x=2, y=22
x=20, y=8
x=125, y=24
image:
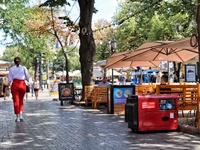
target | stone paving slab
x=49, y=126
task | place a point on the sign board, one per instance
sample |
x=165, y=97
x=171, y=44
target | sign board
x=66, y=91
x=53, y=87
x=118, y=96
x=190, y=73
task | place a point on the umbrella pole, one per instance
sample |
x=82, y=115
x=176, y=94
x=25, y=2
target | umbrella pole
x=112, y=77
x=168, y=72
x=141, y=80
x=104, y=72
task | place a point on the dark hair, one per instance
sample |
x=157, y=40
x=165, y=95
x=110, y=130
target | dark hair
x=104, y=78
x=165, y=77
x=17, y=60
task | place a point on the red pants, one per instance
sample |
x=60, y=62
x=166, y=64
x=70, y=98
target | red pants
x=18, y=90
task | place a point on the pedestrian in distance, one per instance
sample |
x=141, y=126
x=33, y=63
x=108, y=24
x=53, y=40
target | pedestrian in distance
x=17, y=76
x=31, y=86
x=5, y=87
x=36, y=86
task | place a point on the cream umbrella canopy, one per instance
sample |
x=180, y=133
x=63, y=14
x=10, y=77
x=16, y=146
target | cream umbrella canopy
x=179, y=51
x=115, y=73
x=116, y=61
x=97, y=73
x=5, y=63
x=115, y=58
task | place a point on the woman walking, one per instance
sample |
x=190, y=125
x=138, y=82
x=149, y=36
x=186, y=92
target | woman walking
x=17, y=76
x=36, y=86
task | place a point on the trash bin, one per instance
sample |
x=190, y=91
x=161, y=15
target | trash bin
x=152, y=112
x=131, y=112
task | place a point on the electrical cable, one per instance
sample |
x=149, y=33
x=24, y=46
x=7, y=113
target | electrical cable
x=125, y=19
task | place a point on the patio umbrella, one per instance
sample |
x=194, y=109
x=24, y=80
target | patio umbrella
x=5, y=63
x=60, y=73
x=97, y=73
x=76, y=73
x=179, y=51
x=4, y=73
x=115, y=73
x=116, y=61
x=115, y=58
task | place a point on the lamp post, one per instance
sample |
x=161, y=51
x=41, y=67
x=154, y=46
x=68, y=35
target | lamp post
x=112, y=45
x=41, y=70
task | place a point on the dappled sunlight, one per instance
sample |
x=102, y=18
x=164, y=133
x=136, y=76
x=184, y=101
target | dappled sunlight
x=46, y=125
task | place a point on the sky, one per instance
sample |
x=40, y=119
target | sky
x=106, y=10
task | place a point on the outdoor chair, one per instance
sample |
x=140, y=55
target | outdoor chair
x=100, y=96
x=88, y=94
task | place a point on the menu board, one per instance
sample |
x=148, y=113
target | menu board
x=118, y=97
x=120, y=94
x=66, y=91
x=190, y=73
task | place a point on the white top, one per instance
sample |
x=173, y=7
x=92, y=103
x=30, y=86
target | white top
x=36, y=84
x=20, y=73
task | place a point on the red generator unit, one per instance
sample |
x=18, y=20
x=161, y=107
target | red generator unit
x=152, y=112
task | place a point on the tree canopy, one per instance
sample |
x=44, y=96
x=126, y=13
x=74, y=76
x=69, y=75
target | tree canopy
x=149, y=20
x=36, y=29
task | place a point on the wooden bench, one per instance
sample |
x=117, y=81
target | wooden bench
x=187, y=94
x=100, y=96
x=144, y=89
x=88, y=94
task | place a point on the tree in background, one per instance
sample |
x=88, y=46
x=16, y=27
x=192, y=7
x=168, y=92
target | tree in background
x=151, y=20
x=15, y=26
x=73, y=57
x=53, y=26
x=101, y=30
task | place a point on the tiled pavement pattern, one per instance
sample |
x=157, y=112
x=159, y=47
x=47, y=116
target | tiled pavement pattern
x=48, y=126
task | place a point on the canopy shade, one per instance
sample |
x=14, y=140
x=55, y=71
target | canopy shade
x=4, y=73
x=76, y=73
x=116, y=61
x=5, y=63
x=115, y=73
x=179, y=51
x=97, y=73
x=60, y=73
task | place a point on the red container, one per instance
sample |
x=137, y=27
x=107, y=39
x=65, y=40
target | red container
x=152, y=112
x=157, y=112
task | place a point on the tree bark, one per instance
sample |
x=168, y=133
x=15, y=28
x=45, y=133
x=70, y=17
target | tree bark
x=87, y=48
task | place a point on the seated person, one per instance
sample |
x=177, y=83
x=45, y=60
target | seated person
x=104, y=82
x=163, y=81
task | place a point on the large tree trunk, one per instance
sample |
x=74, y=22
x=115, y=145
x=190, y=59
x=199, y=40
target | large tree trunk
x=87, y=46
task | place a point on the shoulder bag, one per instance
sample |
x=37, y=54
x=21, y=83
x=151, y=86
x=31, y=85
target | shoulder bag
x=27, y=85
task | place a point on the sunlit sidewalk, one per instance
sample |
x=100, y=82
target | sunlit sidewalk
x=49, y=126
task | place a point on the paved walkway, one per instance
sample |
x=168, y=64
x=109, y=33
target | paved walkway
x=48, y=126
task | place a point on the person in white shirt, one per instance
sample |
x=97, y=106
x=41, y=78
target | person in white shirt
x=17, y=76
x=36, y=87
